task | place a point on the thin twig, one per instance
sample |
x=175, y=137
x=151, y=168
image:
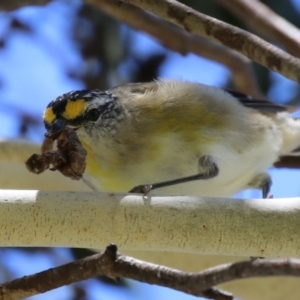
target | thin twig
x=109, y=263
x=9, y=5
x=240, y=40
x=265, y=21
x=291, y=162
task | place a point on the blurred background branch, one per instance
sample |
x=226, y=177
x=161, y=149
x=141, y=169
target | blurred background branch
x=266, y=22
x=181, y=41
x=8, y=5
x=244, y=42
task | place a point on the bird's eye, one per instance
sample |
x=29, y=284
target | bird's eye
x=93, y=115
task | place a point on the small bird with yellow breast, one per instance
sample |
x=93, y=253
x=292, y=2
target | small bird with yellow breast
x=181, y=137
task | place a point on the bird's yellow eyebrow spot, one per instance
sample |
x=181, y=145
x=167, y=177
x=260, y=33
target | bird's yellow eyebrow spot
x=49, y=115
x=73, y=109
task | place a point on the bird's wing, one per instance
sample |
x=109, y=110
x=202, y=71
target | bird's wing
x=136, y=87
x=260, y=104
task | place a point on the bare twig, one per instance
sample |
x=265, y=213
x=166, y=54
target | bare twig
x=115, y=265
x=183, y=42
x=14, y=4
x=108, y=263
x=244, y=42
x=291, y=162
x=265, y=21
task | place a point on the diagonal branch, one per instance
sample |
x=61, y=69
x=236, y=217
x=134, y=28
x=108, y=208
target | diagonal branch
x=265, y=21
x=245, y=43
x=181, y=41
x=194, y=22
x=174, y=38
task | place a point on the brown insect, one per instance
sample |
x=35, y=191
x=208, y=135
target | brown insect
x=69, y=158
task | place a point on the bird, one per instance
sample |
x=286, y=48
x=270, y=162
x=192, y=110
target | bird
x=176, y=137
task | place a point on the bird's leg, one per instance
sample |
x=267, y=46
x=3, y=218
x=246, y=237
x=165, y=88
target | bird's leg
x=207, y=169
x=263, y=182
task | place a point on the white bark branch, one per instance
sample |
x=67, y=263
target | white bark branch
x=183, y=224
x=53, y=221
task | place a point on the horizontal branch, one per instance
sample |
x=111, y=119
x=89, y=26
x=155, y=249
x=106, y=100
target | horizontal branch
x=115, y=265
x=291, y=162
x=8, y=5
x=269, y=227
x=112, y=264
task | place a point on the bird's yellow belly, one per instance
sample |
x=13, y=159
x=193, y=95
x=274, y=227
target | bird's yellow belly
x=111, y=173
x=105, y=175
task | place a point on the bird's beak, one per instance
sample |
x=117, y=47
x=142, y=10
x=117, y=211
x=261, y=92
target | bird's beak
x=57, y=126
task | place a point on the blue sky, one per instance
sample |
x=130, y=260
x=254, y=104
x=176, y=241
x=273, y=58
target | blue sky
x=32, y=69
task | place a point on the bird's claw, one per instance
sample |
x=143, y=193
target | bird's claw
x=142, y=189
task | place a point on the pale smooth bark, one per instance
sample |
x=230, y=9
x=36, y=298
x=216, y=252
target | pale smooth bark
x=268, y=227
x=30, y=218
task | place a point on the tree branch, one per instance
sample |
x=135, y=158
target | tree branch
x=108, y=263
x=265, y=21
x=291, y=162
x=30, y=218
x=9, y=5
x=197, y=23
x=265, y=227
x=181, y=41
x=115, y=265
x=175, y=39
x=194, y=22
